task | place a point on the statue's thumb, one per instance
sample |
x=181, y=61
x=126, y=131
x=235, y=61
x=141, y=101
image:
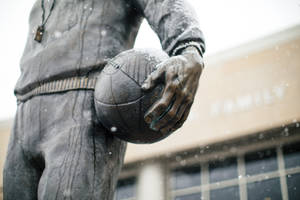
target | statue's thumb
x=152, y=79
x=147, y=83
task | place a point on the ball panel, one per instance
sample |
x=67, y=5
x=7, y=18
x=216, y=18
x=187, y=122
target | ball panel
x=117, y=88
x=110, y=117
x=110, y=70
x=138, y=69
x=139, y=63
x=103, y=89
x=131, y=126
x=124, y=89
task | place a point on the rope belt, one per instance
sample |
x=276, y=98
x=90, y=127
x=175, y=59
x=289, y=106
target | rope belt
x=62, y=85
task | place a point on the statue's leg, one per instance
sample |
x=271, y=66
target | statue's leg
x=82, y=161
x=21, y=175
x=86, y=167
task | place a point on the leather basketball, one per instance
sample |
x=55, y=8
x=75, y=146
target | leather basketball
x=119, y=100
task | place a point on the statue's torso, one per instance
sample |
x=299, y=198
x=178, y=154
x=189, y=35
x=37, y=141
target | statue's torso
x=79, y=35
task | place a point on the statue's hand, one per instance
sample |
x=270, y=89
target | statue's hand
x=181, y=76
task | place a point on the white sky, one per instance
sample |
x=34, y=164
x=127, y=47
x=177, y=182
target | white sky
x=225, y=24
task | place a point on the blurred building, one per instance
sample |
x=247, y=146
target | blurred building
x=4, y=136
x=241, y=140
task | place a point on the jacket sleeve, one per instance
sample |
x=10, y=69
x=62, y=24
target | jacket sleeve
x=175, y=23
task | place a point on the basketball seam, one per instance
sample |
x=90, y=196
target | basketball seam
x=112, y=63
x=120, y=69
x=130, y=77
x=120, y=104
x=117, y=108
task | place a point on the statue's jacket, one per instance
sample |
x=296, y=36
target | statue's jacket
x=82, y=35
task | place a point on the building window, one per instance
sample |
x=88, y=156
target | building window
x=267, y=190
x=231, y=193
x=269, y=174
x=291, y=155
x=186, y=177
x=126, y=189
x=261, y=162
x=222, y=170
x=293, y=184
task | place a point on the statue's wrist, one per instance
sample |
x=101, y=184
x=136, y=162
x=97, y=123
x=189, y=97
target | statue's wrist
x=188, y=47
x=190, y=50
x=192, y=54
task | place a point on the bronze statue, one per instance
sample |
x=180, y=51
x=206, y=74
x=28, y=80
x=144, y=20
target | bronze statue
x=58, y=148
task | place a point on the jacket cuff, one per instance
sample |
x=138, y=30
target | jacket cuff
x=184, y=45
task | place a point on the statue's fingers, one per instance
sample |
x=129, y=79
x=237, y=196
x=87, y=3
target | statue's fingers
x=179, y=118
x=158, y=108
x=171, y=113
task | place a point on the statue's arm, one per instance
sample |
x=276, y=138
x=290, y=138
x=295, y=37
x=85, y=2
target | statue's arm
x=174, y=21
x=176, y=25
